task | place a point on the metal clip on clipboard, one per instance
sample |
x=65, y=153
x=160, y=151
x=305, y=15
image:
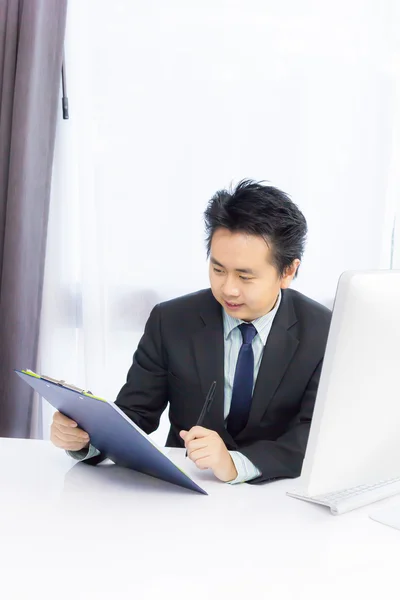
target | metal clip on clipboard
x=64, y=384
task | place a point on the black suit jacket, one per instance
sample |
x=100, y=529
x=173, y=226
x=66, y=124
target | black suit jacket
x=182, y=352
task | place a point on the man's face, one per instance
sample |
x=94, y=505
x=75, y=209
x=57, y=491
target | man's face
x=242, y=278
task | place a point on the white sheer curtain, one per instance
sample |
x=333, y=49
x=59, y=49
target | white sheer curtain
x=170, y=101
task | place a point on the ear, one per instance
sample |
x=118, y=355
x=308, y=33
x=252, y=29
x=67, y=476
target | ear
x=290, y=272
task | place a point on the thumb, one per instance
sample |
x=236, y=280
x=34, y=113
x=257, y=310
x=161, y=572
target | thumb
x=183, y=434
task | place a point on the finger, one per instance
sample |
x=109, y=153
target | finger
x=203, y=463
x=197, y=443
x=72, y=432
x=196, y=432
x=183, y=434
x=68, y=439
x=67, y=445
x=199, y=454
x=61, y=419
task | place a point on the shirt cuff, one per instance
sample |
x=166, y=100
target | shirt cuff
x=83, y=454
x=246, y=471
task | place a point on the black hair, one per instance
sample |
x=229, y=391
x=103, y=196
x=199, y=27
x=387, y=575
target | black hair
x=257, y=209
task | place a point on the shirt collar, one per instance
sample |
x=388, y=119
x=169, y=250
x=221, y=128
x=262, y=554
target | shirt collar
x=261, y=324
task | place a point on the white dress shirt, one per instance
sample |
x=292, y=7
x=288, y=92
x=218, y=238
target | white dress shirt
x=232, y=343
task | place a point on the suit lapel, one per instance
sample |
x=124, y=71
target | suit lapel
x=208, y=343
x=278, y=353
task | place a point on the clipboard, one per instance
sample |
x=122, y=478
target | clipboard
x=110, y=430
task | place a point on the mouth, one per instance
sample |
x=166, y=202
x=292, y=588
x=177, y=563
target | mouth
x=232, y=305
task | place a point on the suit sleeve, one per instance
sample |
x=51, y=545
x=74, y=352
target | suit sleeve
x=283, y=458
x=144, y=396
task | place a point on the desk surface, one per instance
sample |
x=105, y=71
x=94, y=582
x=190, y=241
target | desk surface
x=69, y=530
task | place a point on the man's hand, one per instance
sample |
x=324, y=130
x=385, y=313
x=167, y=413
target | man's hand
x=207, y=450
x=66, y=434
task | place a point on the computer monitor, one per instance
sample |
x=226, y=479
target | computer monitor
x=355, y=431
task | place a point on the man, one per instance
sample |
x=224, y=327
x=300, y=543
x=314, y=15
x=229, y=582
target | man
x=262, y=343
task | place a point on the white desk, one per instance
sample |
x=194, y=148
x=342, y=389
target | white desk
x=73, y=531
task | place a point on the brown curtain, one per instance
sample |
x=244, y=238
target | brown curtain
x=31, y=48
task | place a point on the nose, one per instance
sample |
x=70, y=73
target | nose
x=229, y=288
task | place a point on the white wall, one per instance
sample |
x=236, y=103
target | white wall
x=172, y=100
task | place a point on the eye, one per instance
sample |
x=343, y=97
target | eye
x=245, y=278
x=217, y=270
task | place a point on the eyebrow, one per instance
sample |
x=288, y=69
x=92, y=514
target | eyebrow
x=247, y=271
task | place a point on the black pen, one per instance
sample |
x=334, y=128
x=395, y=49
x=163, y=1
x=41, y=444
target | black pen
x=207, y=405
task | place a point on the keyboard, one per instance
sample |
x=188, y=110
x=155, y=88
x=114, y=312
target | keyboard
x=355, y=497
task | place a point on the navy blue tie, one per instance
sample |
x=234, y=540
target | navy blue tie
x=242, y=390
